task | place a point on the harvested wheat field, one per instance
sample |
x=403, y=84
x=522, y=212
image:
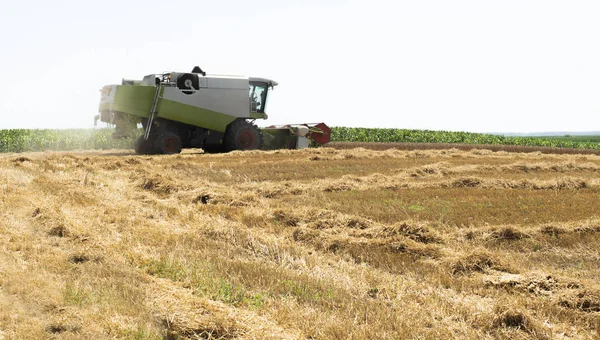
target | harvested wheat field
x=312, y=244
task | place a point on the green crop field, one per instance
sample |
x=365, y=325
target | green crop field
x=593, y=139
x=100, y=139
x=22, y=140
x=342, y=134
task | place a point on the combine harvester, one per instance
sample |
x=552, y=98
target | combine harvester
x=194, y=110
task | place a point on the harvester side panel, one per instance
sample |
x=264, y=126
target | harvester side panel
x=133, y=100
x=210, y=108
x=192, y=115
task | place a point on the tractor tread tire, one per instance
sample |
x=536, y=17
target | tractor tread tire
x=242, y=135
x=168, y=143
x=143, y=147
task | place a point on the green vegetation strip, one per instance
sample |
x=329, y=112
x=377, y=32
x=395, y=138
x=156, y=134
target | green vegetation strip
x=60, y=140
x=342, y=134
x=101, y=139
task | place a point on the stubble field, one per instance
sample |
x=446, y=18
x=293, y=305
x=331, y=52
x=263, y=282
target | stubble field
x=312, y=244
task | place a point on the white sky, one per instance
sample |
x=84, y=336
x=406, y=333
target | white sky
x=480, y=65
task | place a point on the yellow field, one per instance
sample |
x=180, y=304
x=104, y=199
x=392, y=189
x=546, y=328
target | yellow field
x=311, y=244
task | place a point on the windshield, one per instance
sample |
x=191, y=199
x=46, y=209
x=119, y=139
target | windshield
x=258, y=96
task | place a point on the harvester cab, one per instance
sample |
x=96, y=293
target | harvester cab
x=195, y=110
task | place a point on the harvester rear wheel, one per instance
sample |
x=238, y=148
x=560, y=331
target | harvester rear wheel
x=167, y=143
x=242, y=135
x=142, y=146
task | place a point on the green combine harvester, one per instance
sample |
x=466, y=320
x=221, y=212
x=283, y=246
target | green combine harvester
x=195, y=110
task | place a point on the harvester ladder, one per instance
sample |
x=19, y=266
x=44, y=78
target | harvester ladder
x=153, y=111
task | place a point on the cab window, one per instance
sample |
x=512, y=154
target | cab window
x=258, y=97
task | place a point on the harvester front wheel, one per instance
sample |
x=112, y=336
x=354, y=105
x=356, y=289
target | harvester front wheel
x=242, y=135
x=168, y=143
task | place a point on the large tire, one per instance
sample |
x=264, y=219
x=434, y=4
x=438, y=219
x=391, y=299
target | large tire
x=167, y=143
x=242, y=135
x=143, y=147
